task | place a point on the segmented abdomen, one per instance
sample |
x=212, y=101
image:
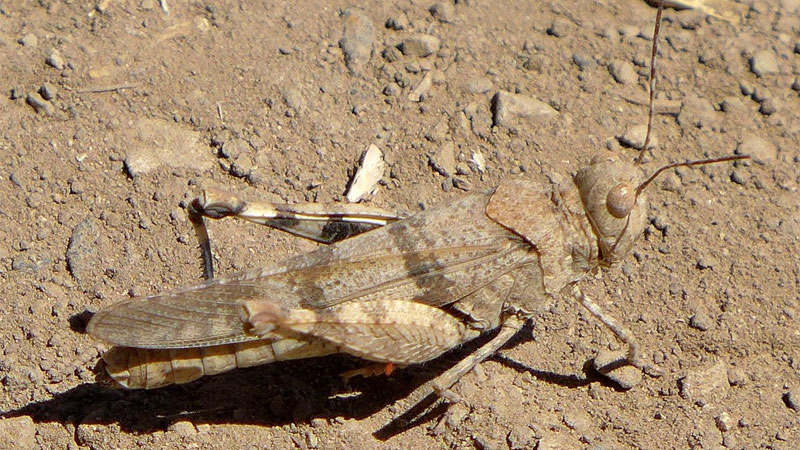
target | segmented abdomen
x=138, y=368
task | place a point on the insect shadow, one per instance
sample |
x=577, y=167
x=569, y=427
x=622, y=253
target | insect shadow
x=271, y=395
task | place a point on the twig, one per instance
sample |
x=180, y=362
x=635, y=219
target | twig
x=113, y=87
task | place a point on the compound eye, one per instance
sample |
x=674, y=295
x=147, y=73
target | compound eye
x=604, y=157
x=621, y=200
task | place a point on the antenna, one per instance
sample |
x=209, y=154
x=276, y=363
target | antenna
x=652, y=89
x=652, y=83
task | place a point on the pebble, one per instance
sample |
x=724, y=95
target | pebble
x=623, y=72
x=737, y=178
x=634, y=137
x=477, y=163
x=764, y=62
x=796, y=85
x=443, y=160
x=732, y=105
x=761, y=94
x=761, y=150
x=420, y=45
x=456, y=415
x=701, y=321
x=294, y=100
x=312, y=441
x=18, y=432
x=155, y=143
x=520, y=438
x=398, y=23
x=737, y=377
x=39, y=104
x=391, y=89
x=624, y=376
x=183, y=428
x=28, y=40
x=583, y=62
x=479, y=85
x=509, y=108
x=357, y=41
x=768, y=107
x=792, y=399
x=419, y=92
x=671, y=182
x=724, y=422
x=559, y=28
x=698, y=385
x=81, y=258
x=55, y=60
x=17, y=92
x=443, y=12
x=48, y=91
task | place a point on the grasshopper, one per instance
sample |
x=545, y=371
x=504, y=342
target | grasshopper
x=391, y=290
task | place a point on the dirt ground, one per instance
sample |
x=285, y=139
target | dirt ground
x=116, y=113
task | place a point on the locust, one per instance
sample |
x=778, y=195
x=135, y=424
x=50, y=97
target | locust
x=395, y=291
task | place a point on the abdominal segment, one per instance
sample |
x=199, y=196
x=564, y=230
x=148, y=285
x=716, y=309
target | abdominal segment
x=139, y=368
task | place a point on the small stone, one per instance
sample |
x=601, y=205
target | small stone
x=583, y=62
x=398, y=23
x=737, y=178
x=155, y=143
x=792, y=399
x=737, y=377
x=357, y=41
x=701, y=321
x=761, y=94
x=768, y=107
x=456, y=414
x=761, y=150
x=17, y=92
x=559, y=28
x=480, y=85
x=732, y=105
x=55, y=60
x=443, y=12
x=477, y=163
x=796, y=85
x=614, y=367
x=41, y=105
x=461, y=184
x=390, y=90
x=508, y=108
x=698, y=385
x=623, y=72
x=183, y=428
x=28, y=40
x=81, y=251
x=48, y=91
x=443, y=160
x=420, y=45
x=764, y=62
x=312, y=441
x=520, y=438
x=724, y=422
x=18, y=432
x=671, y=182
x=294, y=100
x=634, y=138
